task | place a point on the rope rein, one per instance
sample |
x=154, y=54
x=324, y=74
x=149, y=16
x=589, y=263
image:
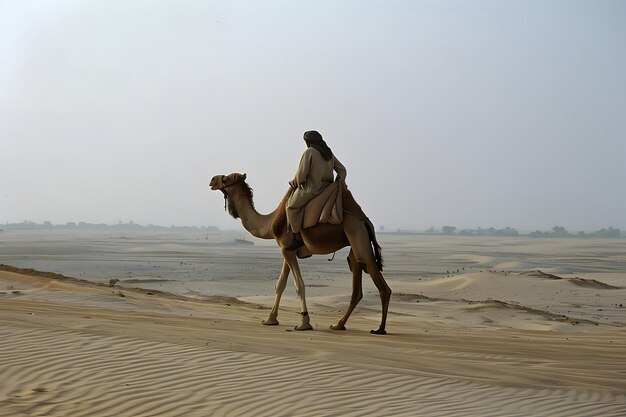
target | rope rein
x=225, y=197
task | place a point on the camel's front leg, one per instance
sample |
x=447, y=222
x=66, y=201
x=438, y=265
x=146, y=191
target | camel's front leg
x=280, y=287
x=292, y=262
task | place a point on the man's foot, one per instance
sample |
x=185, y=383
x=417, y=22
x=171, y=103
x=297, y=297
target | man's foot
x=303, y=252
x=296, y=242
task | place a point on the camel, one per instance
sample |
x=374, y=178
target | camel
x=356, y=231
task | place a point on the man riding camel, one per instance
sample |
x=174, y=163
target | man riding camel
x=315, y=172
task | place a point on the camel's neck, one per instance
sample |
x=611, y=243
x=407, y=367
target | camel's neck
x=240, y=204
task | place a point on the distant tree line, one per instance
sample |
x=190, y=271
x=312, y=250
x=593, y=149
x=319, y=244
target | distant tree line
x=557, y=231
x=130, y=226
x=560, y=231
x=491, y=231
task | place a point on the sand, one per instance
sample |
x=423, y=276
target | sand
x=524, y=339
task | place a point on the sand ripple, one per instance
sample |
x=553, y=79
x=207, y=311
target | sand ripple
x=60, y=373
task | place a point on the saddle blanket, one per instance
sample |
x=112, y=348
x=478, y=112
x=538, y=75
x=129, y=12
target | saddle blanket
x=326, y=207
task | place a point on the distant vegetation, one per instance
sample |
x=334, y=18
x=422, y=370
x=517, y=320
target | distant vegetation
x=130, y=226
x=491, y=231
x=557, y=231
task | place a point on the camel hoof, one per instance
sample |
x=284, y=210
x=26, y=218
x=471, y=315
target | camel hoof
x=303, y=327
x=379, y=331
x=337, y=327
x=270, y=322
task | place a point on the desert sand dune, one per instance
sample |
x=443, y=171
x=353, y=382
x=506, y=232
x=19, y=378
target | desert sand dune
x=477, y=327
x=74, y=348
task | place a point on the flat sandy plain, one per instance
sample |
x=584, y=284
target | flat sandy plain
x=477, y=327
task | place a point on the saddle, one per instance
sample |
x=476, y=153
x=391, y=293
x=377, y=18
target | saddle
x=326, y=207
x=330, y=206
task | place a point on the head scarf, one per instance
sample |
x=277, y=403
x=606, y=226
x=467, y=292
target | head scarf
x=313, y=139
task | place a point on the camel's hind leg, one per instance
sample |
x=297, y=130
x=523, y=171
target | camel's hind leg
x=280, y=288
x=362, y=247
x=383, y=290
x=357, y=290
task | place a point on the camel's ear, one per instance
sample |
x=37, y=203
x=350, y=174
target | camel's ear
x=244, y=176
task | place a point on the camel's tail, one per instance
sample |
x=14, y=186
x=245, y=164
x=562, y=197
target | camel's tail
x=378, y=255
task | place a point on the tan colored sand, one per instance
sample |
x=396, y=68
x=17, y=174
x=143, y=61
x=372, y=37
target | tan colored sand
x=69, y=348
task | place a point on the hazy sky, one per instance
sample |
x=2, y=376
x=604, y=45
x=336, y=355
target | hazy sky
x=469, y=113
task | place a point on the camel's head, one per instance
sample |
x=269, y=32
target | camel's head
x=220, y=182
x=223, y=182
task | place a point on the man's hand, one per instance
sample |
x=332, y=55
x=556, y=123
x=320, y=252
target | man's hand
x=293, y=184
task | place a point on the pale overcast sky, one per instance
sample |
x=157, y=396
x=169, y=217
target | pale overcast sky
x=468, y=113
